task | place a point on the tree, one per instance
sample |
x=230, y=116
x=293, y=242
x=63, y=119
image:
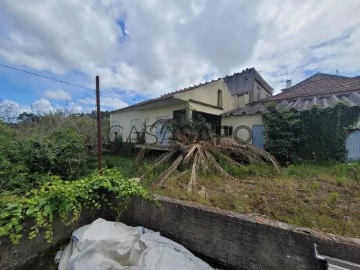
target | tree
x=8, y=111
x=26, y=117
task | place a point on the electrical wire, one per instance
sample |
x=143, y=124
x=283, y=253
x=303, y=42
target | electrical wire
x=47, y=77
x=77, y=85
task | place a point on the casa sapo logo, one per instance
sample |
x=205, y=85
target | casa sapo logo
x=160, y=132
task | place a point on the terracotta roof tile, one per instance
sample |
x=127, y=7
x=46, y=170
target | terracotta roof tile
x=319, y=85
x=321, y=90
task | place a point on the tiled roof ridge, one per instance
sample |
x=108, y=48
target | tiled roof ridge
x=322, y=76
x=309, y=81
x=301, y=103
x=171, y=94
x=252, y=69
x=189, y=88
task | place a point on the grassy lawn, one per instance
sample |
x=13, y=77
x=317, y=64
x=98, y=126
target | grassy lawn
x=325, y=198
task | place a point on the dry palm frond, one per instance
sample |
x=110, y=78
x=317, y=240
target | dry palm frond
x=202, y=160
x=141, y=154
x=200, y=152
x=164, y=158
x=192, y=182
x=171, y=169
x=216, y=165
x=190, y=153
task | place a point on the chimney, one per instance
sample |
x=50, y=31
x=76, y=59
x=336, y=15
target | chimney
x=288, y=83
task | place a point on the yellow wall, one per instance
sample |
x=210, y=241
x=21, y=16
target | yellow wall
x=247, y=120
x=203, y=108
x=209, y=94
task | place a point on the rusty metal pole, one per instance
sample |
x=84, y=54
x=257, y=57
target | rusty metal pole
x=98, y=113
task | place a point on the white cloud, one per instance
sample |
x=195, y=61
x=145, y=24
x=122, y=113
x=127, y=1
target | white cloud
x=312, y=35
x=166, y=45
x=169, y=44
x=42, y=105
x=74, y=108
x=57, y=94
x=108, y=101
x=59, y=35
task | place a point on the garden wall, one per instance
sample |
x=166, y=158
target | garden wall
x=236, y=241
x=226, y=239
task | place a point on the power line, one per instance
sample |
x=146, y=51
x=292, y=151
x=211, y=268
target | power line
x=47, y=77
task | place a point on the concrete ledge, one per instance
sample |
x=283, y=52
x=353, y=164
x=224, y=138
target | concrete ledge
x=227, y=239
x=239, y=241
x=17, y=256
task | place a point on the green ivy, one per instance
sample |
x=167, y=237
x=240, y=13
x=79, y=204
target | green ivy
x=68, y=199
x=315, y=134
x=283, y=133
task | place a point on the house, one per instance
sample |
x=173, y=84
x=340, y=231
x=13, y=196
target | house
x=321, y=90
x=209, y=99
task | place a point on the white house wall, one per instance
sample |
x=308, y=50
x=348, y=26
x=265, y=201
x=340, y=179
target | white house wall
x=149, y=116
x=242, y=120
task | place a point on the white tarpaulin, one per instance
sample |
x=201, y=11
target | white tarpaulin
x=114, y=245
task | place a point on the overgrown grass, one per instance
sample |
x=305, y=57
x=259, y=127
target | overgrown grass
x=322, y=197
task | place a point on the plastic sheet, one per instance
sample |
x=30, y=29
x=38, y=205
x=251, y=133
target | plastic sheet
x=114, y=245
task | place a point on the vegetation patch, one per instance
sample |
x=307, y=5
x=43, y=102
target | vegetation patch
x=66, y=198
x=306, y=195
x=315, y=134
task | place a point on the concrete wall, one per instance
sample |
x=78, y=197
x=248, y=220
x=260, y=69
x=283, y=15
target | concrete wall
x=234, y=241
x=243, y=99
x=247, y=120
x=16, y=256
x=259, y=92
x=223, y=238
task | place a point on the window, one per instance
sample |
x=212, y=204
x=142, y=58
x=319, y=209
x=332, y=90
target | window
x=219, y=98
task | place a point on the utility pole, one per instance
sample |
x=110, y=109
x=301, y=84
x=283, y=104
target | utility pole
x=98, y=123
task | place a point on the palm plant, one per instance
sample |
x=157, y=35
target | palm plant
x=196, y=148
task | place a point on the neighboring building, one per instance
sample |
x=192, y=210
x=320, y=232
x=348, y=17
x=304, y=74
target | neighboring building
x=210, y=100
x=321, y=90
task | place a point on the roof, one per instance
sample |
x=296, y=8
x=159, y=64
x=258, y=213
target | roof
x=319, y=84
x=321, y=90
x=166, y=96
x=300, y=104
x=251, y=108
x=172, y=94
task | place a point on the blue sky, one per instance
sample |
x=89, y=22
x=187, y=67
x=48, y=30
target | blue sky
x=142, y=49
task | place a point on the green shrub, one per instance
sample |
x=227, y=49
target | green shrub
x=12, y=171
x=66, y=198
x=62, y=153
